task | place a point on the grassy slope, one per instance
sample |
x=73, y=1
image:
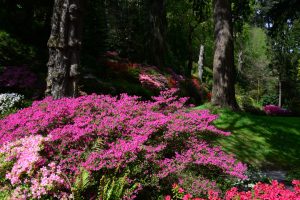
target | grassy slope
x=262, y=141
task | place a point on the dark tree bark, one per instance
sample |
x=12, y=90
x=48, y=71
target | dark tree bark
x=64, y=49
x=190, y=51
x=223, y=93
x=158, y=26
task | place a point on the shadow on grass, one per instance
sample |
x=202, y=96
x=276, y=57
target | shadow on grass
x=262, y=141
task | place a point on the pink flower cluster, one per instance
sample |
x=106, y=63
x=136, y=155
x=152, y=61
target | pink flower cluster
x=102, y=133
x=24, y=154
x=28, y=177
x=275, y=110
x=273, y=191
x=152, y=81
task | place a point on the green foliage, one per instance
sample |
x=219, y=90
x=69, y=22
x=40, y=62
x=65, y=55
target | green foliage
x=83, y=181
x=255, y=78
x=248, y=104
x=293, y=174
x=4, y=194
x=268, y=99
x=242, y=12
x=113, y=186
x=13, y=110
x=4, y=167
x=14, y=52
x=184, y=38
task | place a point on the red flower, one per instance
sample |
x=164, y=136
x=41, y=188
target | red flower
x=168, y=197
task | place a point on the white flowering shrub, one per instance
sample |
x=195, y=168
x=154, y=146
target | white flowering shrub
x=9, y=101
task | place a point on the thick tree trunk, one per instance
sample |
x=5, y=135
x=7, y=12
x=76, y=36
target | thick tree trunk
x=200, y=62
x=64, y=49
x=223, y=93
x=158, y=25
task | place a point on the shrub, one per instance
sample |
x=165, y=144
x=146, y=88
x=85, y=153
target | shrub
x=249, y=105
x=18, y=77
x=157, y=81
x=120, y=146
x=274, y=191
x=269, y=99
x=9, y=101
x=275, y=110
x=12, y=50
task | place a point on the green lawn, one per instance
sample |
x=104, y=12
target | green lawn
x=262, y=141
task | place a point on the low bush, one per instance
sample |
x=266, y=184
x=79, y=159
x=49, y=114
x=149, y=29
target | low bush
x=269, y=99
x=13, y=51
x=109, y=148
x=18, y=78
x=10, y=102
x=275, y=110
x=274, y=191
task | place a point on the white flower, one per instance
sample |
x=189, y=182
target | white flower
x=9, y=101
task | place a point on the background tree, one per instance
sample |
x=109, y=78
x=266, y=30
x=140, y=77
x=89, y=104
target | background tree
x=28, y=47
x=64, y=47
x=223, y=92
x=184, y=39
x=163, y=33
x=255, y=79
x=280, y=19
x=157, y=22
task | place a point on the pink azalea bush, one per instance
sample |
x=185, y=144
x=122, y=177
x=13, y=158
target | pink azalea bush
x=47, y=147
x=273, y=191
x=17, y=77
x=30, y=177
x=275, y=110
x=151, y=81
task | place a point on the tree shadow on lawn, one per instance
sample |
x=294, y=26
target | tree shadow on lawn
x=262, y=141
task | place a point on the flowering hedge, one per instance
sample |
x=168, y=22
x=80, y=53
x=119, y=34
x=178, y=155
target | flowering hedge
x=100, y=145
x=273, y=191
x=275, y=110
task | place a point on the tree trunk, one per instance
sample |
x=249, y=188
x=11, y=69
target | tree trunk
x=190, y=52
x=223, y=93
x=240, y=61
x=280, y=93
x=200, y=62
x=64, y=49
x=158, y=25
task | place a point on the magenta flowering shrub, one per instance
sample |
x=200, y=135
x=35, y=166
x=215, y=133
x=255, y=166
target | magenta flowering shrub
x=273, y=191
x=275, y=110
x=53, y=140
x=17, y=77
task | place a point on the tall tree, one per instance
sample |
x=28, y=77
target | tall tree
x=64, y=48
x=157, y=19
x=223, y=93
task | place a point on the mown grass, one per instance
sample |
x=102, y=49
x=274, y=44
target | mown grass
x=266, y=142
